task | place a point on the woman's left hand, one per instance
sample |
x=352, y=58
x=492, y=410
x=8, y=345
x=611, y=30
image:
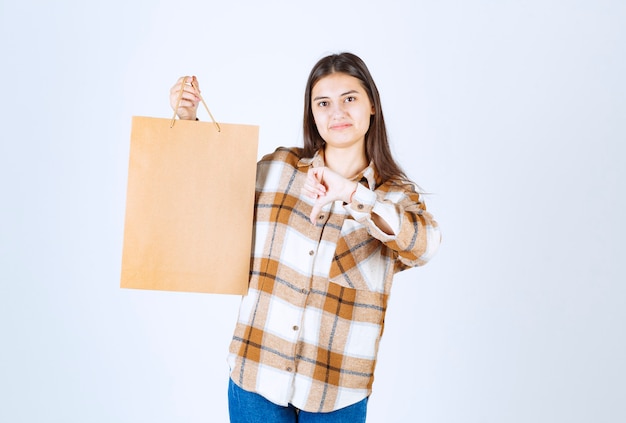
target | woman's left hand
x=326, y=186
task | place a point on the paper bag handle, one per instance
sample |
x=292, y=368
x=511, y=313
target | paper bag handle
x=180, y=96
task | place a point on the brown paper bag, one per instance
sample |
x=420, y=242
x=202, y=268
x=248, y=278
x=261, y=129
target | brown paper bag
x=189, y=206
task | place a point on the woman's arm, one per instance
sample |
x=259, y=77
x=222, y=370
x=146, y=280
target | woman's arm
x=392, y=213
x=396, y=215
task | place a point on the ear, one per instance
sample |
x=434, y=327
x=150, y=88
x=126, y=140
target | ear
x=373, y=111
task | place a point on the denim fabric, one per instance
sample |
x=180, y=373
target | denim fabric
x=248, y=407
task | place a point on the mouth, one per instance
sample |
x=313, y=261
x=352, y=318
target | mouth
x=340, y=126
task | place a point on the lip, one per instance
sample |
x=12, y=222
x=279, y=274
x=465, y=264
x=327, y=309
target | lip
x=340, y=126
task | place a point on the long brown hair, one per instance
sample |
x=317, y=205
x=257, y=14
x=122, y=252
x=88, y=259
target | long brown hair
x=376, y=144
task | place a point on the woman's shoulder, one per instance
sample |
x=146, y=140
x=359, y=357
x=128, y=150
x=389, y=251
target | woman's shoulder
x=289, y=155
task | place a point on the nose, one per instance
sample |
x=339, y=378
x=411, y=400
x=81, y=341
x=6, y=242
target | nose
x=338, y=111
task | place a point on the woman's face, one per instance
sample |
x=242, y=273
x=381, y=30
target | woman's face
x=341, y=110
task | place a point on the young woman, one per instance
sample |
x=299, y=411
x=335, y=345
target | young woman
x=334, y=221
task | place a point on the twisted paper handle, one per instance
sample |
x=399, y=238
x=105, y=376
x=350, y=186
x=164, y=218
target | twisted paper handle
x=180, y=96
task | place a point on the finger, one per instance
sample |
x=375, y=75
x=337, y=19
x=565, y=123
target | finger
x=309, y=191
x=195, y=84
x=193, y=87
x=187, y=101
x=184, y=84
x=180, y=83
x=314, y=213
x=190, y=85
x=186, y=104
x=317, y=173
x=189, y=98
x=190, y=93
x=314, y=178
x=314, y=190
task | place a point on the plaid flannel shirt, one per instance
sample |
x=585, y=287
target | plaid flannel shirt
x=309, y=328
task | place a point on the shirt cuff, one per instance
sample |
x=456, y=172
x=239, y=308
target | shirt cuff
x=363, y=201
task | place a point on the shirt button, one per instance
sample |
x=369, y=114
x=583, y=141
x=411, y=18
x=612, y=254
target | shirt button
x=360, y=207
x=311, y=252
x=295, y=327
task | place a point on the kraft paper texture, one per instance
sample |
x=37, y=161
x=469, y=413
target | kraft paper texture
x=189, y=206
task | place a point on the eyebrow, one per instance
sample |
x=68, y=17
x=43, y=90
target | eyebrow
x=344, y=94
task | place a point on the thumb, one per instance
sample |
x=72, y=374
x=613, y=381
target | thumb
x=315, y=212
x=194, y=84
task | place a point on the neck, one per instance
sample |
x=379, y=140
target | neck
x=346, y=162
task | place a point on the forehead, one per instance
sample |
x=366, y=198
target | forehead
x=337, y=84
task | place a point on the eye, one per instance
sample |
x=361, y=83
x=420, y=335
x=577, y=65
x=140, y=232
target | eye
x=350, y=99
x=322, y=103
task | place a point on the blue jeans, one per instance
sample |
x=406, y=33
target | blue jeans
x=248, y=407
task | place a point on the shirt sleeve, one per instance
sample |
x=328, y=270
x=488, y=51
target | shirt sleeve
x=416, y=235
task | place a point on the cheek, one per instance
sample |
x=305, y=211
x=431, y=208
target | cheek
x=318, y=119
x=366, y=119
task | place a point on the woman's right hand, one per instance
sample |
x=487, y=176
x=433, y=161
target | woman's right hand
x=188, y=106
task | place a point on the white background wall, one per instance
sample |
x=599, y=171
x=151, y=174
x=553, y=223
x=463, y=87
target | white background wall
x=512, y=113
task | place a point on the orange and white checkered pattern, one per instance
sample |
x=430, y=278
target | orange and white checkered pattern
x=309, y=328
